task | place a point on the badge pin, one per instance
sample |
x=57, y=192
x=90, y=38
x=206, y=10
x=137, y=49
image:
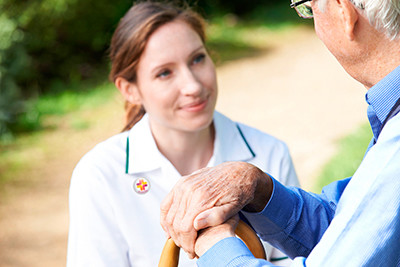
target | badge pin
x=141, y=185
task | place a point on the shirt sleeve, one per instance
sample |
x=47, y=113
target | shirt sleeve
x=94, y=237
x=288, y=222
x=288, y=177
x=232, y=252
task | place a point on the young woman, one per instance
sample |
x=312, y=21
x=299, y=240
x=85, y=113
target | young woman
x=163, y=70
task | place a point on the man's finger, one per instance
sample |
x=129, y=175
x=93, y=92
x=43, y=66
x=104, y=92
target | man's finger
x=164, y=209
x=214, y=216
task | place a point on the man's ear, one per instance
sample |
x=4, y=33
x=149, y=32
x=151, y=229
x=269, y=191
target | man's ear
x=128, y=90
x=350, y=18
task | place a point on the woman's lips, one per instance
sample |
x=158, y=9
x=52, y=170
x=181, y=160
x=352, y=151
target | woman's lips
x=195, y=107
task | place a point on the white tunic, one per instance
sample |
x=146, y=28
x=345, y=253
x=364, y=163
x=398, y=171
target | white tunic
x=113, y=225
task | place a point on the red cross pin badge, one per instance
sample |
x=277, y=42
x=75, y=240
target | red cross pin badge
x=141, y=185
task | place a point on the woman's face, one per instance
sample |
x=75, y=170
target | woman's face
x=176, y=80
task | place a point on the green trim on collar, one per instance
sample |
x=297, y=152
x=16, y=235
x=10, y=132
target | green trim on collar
x=279, y=259
x=245, y=140
x=127, y=155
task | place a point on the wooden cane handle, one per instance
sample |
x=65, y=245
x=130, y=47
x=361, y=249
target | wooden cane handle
x=170, y=254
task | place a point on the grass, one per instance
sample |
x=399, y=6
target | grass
x=49, y=113
x=231, y=37
x=350, y=153
x=14, y=158
x=42, y=110
x=74, y=99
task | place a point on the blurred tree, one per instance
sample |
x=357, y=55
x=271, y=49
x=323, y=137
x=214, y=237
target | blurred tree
x=238, y=7
x=65, y=39
x=47, y=42
x=13, y=60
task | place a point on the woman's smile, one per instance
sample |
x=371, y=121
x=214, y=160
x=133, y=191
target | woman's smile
x=195, y=106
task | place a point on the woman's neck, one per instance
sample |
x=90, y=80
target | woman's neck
x=187, y=151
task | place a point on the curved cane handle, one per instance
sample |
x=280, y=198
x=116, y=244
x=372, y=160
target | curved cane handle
x=170, y=254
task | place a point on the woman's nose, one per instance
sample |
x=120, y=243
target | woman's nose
x=190, y=85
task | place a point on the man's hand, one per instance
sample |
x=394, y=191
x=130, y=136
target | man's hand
x=210, y=197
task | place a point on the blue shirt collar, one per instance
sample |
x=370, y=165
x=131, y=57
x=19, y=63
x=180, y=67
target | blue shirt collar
x=381, y=99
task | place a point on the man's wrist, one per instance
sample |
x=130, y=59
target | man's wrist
x=262, y=193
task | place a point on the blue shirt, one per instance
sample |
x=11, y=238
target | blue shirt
x=381, y=98
x=353, y=222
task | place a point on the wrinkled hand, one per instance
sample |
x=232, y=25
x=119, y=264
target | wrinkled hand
x=210, y=236
x=210, y=197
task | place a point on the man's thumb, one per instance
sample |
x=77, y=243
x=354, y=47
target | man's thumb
x=214, y=216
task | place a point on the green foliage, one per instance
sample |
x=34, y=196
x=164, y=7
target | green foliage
x=349, y=156
x=238, y=7
x=45, y=43
x=66, y=40
x=12, y=60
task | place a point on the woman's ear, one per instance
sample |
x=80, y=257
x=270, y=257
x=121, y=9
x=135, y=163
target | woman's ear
x=350, y=18
x=129, y=90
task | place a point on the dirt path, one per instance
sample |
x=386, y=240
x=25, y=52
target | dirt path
x=298, y=93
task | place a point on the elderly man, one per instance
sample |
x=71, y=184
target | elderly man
x=354, y=222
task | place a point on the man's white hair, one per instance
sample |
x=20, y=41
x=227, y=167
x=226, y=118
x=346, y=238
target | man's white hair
x=384, y=15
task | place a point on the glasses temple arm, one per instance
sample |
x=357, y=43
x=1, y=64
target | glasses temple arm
x=292, y=5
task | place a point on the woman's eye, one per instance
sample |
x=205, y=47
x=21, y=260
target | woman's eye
x=199, y=58
x=163, y=74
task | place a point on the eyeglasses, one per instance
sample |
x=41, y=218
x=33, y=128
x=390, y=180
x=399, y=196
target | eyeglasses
x=303, y=8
